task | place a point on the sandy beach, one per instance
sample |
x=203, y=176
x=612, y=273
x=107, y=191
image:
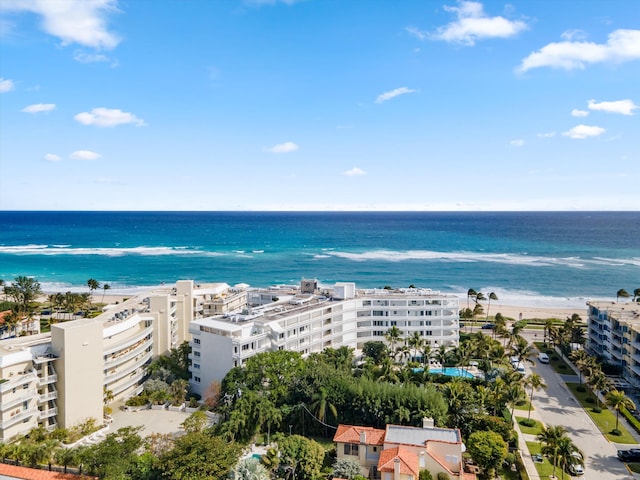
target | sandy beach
x=517, y=312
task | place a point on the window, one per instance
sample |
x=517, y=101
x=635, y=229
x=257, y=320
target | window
x=25, y=386
x=196, y=379
x=350, y=449
x=196, y=366
x=245, y=347
x=196, y=353
x=196, y=341
x=428, y=333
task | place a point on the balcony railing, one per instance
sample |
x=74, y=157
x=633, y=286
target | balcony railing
x=47, y=380
x=13, y=419
x=16, y=399
x=50, y=412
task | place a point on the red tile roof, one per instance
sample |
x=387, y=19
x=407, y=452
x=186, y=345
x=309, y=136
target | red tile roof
x=351, y=434
x=35, y=474
x=409, y=462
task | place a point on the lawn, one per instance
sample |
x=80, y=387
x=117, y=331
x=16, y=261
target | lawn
x=545, y=469
x=524, y=405
x=535, y=430
x=555, y=361
x=605, y=420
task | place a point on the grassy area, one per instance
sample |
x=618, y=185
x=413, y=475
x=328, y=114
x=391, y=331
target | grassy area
x=634, y=467
x=605, y=420
x=555, y=361
x=524, y=405
x=535, y=430
x=545, y=469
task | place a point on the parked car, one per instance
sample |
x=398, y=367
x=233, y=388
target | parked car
x=631, y=455
x=543, y=357
x=575, y=466
x=488, y=326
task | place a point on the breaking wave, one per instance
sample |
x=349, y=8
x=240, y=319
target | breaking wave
x=102, y=251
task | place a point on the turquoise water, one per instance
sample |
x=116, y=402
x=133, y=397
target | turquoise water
x=449, y=371
x=562, y=256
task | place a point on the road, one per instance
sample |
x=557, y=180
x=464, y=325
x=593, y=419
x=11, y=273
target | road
x=557, y=406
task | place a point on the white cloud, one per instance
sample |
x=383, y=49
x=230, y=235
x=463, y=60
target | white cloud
x=584, y=131
x=579, y=113
x=355, y=171
x=383, y=97
x=73, y=21
x=517, y=143
x=285, y=147
x=546, y=135
x=473, y=24
x=108, y=117
x=6, y=85
x=52, y=157
x=39, y=107
x=576, y=34
x=623, y=107
x=621, y=46
x=84, y=57
x=84, y=155
x=420, y=35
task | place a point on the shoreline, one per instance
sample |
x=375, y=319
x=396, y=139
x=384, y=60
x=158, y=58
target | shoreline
x=511, y=310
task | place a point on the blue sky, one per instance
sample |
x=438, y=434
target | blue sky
x=319, y=105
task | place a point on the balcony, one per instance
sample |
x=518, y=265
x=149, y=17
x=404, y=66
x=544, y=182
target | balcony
x=122, y=358
x=112, y=377
x=45, y=397
x=16, y=398
x=126, y=341
x=19, y=417
x=18, y=381
x=42, y=381
x=50, y=412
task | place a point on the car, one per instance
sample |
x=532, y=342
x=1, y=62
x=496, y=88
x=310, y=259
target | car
x=537, y=458
x=488, y=326
x=576, y=465
x=631, y=455
x=543, y=357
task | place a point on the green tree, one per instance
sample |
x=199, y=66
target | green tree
x=535, y=382
x=115, y=456
x=105, y=287
x=393, y=336
x=550, y=439
x=374, y=350
x=24, y=291
x=346, y=468
x=567, y=453
x=301, y=458
x=488, y=450
x=416, y=342
x=618, y=400
x=201, y=456
x=196, y=422
x=93, y=285
x=492, y=296
x=598, y=382
x=622, y=293
x=249, y=469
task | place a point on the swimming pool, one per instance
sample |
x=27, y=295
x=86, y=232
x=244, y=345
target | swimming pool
x=449, y=371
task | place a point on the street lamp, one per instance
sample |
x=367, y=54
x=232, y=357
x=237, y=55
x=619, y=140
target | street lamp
x=290, y=427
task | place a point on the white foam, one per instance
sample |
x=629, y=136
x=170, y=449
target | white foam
x=108, y=252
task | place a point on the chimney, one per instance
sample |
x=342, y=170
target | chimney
x=396, y=469
x=427, y=422
x=363, y=438
x=362, y=450
x=423, y=460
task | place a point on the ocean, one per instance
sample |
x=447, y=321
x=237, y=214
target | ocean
x=555, y=259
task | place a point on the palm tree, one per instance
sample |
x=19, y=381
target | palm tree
x=548, y=325
x=579, y=359
x=93, y=284
x=550, y=439
x=321, y=404
x=105, y=287
x=514, y=394
x=492, y=296
x=622, y=293
x=471, y=293
x=393, y=336
x=536, y=382
x=416, y=342
x=619, y=400
x=567, y=453
x=599, y=382
x=249, y=469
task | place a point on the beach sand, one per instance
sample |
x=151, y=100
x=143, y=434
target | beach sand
x=516, y=312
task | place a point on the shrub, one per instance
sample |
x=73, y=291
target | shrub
x=425, y=475
x=562, y=367
x=137, y=401
x=443, y=476
x=528, y=422
x=596, y=410
x=581, y=389
x=590, y=400
x=616, y=432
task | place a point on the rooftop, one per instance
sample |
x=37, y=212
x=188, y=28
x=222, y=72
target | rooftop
x=420, y=436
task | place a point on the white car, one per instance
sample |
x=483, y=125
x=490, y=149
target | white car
x=575, y=467
x=543, y=357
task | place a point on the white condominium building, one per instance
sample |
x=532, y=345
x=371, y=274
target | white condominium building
x=614, y=335
x=310, y=319
x=60, y=378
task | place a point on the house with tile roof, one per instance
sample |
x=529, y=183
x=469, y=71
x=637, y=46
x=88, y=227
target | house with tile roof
x=401, y=452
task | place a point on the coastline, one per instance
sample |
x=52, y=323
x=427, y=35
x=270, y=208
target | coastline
x=537, y=309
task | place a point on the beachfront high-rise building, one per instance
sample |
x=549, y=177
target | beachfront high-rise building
x=309, y=322
x=61, y=378
x=614, y=335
